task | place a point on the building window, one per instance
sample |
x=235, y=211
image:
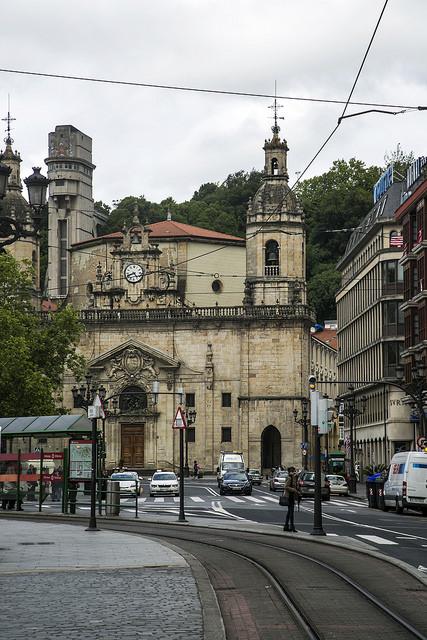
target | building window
x=191, y=434
x=132, y=400
x=217, y=286
x=63, y=257
x=190, y=399
x=226, y=399
x=225, y=434
x=392, y=277
x=393, y=324
x=59, y=183
x=391, y=358
x=274, y=167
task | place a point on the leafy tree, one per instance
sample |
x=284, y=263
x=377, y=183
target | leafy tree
x=400, y=159
x=33, y=353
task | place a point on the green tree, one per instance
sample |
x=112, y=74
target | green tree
x=33, y=352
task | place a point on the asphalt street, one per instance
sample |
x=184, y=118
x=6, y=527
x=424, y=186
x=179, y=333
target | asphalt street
x=399, y=536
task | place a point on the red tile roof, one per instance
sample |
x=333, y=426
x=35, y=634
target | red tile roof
x=173, y=229
x=327, y=336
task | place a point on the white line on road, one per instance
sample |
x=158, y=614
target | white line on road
x=159, y=500
x=252, y=499
x=196, y=499
x=375, y=539
x=234, y=499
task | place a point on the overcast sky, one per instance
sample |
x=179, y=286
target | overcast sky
x=161, y=143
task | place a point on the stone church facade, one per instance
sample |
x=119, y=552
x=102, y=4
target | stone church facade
x=226, y=319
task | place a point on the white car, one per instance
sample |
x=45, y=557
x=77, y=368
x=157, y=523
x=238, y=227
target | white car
x=164, y=482
x=337, y=485
x=130, y=482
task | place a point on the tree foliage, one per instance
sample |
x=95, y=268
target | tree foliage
x=33, y=353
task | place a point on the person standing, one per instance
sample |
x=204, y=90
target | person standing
x=291, y=492
x=195, y=470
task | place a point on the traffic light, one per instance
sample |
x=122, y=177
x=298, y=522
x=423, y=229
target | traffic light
x=312, y=383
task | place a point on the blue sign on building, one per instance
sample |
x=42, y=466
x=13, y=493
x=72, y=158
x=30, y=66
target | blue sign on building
x=385, y=181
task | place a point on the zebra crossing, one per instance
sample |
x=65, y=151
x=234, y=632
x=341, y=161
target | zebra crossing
x=266, y=500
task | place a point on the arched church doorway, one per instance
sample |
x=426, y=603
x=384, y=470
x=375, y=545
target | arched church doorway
x=271, y=448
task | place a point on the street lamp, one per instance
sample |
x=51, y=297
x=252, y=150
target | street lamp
x=12, y=229
x=303, y=421
x=347, y=406
x=190, y=418
x=83, y=397
x=416, y=389
x=155, y=391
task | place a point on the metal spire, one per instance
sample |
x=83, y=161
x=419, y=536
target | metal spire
x=275, y=129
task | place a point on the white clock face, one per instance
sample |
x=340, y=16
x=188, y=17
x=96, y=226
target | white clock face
x=134, y=273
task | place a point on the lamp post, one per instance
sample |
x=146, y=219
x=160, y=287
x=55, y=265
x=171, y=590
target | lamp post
x=155, y=391
x=416, y=390
x=303, y=421
x=12, y=229
x=347, y=406
x=190, y=418
x=83, y=397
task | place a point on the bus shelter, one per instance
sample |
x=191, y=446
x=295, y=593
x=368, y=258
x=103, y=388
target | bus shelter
x=33, y=475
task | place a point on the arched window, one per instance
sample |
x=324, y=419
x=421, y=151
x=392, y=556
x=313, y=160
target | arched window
x=132, y=400
x=272, y=267
x=274, y=167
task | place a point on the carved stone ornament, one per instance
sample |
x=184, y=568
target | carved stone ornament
x=132, y=363
x=209, y=367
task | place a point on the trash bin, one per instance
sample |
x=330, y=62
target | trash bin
x=371, y=493
x=112, y=505
x=72, y=495
x=379, y=484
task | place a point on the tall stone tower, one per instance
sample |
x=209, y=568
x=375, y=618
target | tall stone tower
x=71, y=205
x=275, y=233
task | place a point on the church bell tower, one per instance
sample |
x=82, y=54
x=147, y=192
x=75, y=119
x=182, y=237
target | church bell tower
x=275, y=233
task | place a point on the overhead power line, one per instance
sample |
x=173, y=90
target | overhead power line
x=170, y=87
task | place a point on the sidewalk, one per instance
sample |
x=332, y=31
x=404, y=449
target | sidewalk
x=360, y=493
x=62, y=581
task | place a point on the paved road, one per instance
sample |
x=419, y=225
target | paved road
x=400, y=536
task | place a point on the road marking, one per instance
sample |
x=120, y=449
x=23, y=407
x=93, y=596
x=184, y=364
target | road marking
x=196, y=499
x=405, y=538
x=375, y=539
x=332, y=534
x=254, y=499
x=234, y=499
x=276, y=500
x=217, y=506
x=159, y=499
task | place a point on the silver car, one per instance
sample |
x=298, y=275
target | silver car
x=277, y=482
x=337, y=485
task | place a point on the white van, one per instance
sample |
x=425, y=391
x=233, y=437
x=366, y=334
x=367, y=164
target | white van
x=229, y=461
x=406, y=485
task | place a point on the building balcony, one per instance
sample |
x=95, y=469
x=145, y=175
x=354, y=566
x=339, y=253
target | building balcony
x=272, y=271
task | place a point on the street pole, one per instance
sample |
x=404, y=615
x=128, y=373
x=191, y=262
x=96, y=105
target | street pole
x=181, y=517
x=305, y=461
x=352, y=479
x=187, y=469
x=92, y=522
x=315, y=422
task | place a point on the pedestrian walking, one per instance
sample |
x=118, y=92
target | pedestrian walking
x=196, y=470
x=292, y=494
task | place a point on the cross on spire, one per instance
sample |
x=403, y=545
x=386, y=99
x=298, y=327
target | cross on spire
x=9, y=119
x=275, y=129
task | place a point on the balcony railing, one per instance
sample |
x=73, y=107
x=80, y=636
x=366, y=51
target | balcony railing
x=197, y=314
x=272, y=270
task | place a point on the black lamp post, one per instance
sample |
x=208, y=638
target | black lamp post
x=303, y=421
x=155, y=391
x=416, y=389
x=190, y=418
x=12, y=229
x=349, y=409
x=83, y=397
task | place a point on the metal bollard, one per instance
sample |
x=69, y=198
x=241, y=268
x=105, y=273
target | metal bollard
x=112, y=504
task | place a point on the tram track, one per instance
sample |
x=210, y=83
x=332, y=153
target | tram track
x=313, y=598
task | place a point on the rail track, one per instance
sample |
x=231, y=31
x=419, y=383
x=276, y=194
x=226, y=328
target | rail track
x=281, y=587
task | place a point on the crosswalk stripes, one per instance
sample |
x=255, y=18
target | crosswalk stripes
x=375, y=539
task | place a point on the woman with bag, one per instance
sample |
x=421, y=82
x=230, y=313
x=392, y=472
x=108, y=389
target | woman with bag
x=290, y=493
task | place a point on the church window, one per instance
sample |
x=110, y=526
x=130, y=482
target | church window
x=274, y=167
x=217, y=286
x=225, y=434
x=226, y=399
x=132, y=400
x=272, y=258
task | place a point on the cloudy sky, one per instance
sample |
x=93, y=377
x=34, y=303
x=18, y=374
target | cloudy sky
x=162, y=143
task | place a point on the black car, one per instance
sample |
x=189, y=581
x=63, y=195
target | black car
x=235, y=482
x=255, y=476
x=306, y=485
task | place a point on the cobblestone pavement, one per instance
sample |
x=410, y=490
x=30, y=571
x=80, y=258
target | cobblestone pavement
x=60, y=581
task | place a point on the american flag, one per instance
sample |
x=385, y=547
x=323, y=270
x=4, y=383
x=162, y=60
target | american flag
x=396, y=241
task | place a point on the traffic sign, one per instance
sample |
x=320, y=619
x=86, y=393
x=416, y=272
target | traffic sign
x=421, y=442
x=179, y=421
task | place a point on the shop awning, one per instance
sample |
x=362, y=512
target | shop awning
x=46, y=426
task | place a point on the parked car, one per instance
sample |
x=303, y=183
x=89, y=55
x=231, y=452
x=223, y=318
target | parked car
x=277, y=482
x=130, y=482
x=337, y=485
x=306, y=485
x=255, y=476
x=164, y=482
x=235, y=482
